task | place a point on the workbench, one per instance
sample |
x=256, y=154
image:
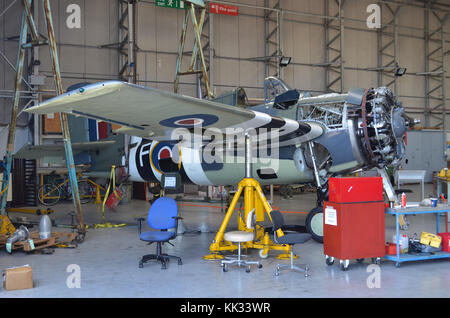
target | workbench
x=411, y=176
x=439, y=182
x=400, y=258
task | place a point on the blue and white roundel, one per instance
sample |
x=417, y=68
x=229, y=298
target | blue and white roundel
x=189, y=121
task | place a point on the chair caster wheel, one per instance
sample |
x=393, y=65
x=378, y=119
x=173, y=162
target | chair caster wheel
x=277, y=273
x=260, y=266
x=224, y=268
x=141, y=265
x=247, y=270
x=180, y=262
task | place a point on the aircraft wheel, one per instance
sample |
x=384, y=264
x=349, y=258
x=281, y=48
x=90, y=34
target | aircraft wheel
x=314, y=224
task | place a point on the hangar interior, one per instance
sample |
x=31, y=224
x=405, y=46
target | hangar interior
x=332, y=47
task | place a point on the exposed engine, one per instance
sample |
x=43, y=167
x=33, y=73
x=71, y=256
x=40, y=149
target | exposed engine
x=364, y=129
x=382, y=126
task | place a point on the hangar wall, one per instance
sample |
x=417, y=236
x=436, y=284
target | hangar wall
x=87, y=53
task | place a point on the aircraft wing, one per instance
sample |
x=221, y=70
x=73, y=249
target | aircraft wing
x=152, y=113
x=42, y=151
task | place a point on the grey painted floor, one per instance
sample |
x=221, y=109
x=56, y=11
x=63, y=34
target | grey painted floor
x=108, y=262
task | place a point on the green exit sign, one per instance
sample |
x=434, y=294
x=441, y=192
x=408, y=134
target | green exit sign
x=176, y=4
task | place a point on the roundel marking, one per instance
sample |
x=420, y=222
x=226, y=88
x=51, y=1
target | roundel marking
x=158, y=151
x=164, y=153
x=189, y=121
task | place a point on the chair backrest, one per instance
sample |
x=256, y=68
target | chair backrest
x=161, y=214
x=277, y=220
x=251, y=219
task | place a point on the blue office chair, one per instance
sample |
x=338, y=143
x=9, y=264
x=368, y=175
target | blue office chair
x=163, y=215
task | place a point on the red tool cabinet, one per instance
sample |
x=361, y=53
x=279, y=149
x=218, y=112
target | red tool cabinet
x=353, y=220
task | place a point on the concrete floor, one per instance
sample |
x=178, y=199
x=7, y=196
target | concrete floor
x=108, y=262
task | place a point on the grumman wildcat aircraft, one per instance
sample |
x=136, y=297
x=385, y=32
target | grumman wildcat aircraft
x=316, y=137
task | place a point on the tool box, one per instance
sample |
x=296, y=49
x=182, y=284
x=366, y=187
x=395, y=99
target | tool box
x=430, y=239
x=354, y=226
x=360, y=189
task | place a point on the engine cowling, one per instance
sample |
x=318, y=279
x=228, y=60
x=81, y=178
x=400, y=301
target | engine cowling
x=364, y=129
x=382, y=124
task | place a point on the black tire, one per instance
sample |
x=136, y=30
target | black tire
x=49, y=194
x=86, y=191
x=313, y=215
x=329, y=261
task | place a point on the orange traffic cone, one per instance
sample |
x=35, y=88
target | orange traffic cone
x=98, y=199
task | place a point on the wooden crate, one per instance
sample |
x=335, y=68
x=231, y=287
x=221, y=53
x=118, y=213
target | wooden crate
x=51, y=124
x=56, y=238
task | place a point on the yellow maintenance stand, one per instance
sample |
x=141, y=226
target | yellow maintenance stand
x=253, y=199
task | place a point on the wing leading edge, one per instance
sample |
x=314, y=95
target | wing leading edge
x=152, y=113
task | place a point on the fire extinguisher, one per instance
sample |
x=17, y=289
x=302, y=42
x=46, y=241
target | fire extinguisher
x=403, y=200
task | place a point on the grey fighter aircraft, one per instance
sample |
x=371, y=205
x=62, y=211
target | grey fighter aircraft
x=317, y=137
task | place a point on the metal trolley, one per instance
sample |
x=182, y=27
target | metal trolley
x=400, y=258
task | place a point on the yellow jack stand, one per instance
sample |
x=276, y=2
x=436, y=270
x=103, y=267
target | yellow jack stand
x=253, y=199
x=113, y=182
